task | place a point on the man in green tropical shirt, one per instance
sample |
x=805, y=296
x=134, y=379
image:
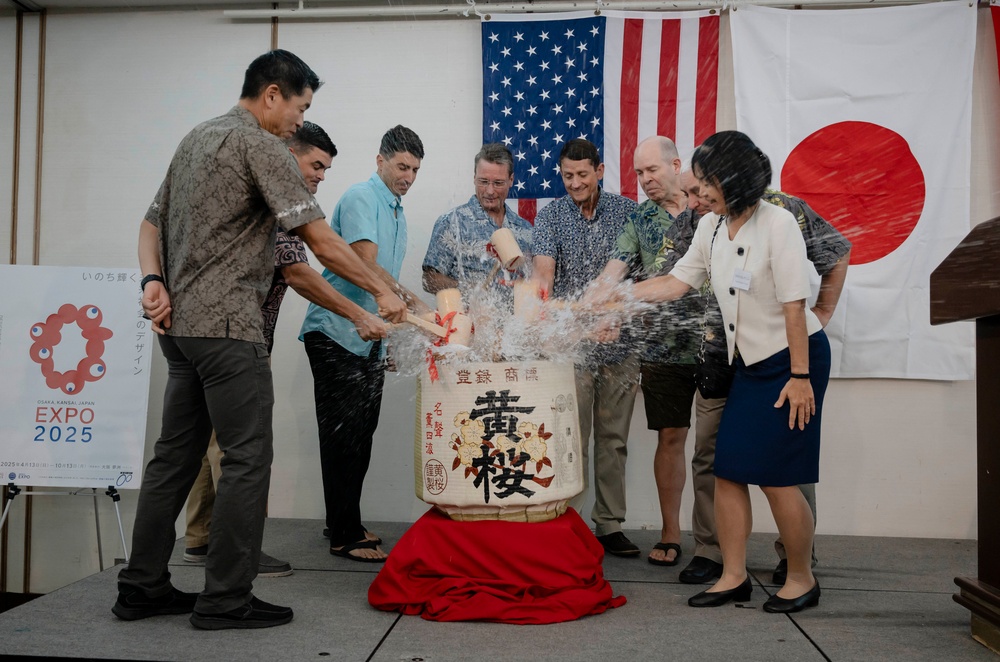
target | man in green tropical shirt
x=656, y=235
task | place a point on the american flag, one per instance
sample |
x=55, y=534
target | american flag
x=613, y=79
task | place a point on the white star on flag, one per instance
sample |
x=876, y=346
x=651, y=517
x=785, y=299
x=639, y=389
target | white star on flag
x=644, y=74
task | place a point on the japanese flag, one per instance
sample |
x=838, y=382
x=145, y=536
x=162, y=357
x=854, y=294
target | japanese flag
x=866, y=114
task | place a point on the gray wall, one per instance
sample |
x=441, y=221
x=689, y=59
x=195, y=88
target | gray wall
x=122, y=88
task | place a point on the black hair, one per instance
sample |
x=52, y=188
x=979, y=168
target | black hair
x=401, y=139
x=311, y=135
x=496, y=153
x=731, y=161
x=281, y=68
x=579, y=149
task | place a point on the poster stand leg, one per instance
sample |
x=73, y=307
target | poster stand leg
x=97, y=522
x=116, y=497
x=13, y=490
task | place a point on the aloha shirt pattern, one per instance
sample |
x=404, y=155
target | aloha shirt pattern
x=288, y=250
x=457, y=247
x=229, y=184
x=581, y=247
x=651, y=243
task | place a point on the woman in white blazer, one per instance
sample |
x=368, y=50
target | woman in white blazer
x=753, y=254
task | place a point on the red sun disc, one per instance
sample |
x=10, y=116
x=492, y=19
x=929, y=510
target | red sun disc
x=864, y=179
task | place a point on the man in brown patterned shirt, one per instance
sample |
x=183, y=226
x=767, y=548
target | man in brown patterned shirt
x=314, y=152
x=206, y=245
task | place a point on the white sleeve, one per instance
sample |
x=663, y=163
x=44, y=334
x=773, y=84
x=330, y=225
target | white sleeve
x=692, y=268
x=789, y=264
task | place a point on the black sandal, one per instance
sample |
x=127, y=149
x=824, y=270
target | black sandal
x=346, y=550
x=666, y=547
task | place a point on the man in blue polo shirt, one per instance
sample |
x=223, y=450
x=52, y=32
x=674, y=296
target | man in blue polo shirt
x=348, y=372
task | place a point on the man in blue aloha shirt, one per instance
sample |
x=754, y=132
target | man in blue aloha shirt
x=457, y=255
x=574, y=237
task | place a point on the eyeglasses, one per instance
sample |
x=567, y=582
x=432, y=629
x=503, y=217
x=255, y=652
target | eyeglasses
x=496, y=183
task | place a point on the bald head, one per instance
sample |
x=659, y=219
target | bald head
x=657, y=166
x=666, y=147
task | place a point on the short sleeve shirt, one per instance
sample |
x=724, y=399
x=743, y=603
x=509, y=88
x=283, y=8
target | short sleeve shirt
x=368, y=211
x=825, y=247
x=651, y=243
x=457, y=247
x=769, y=250
x=229, y=184
x=581, y=247
x=288, y=250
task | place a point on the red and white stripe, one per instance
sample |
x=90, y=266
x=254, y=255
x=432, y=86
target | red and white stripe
x=661, y=76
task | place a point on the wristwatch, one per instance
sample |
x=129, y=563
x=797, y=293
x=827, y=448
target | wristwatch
x=149, y=279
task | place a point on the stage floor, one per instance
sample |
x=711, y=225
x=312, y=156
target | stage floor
x=883, y=599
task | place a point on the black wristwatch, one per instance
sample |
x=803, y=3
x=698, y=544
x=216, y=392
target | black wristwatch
x=149, y=279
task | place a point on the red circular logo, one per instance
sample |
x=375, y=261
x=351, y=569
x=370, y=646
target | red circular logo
x=863, y=179
x=48, y=334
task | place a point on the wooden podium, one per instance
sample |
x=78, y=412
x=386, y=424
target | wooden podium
x=966, y=286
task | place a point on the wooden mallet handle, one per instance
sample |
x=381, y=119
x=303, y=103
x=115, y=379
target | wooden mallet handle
x=429, y=327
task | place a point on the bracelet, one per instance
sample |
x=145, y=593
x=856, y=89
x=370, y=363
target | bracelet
x=798, y=375
x=149, y=279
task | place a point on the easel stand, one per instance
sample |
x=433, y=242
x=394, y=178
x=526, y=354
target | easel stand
x=13, y=491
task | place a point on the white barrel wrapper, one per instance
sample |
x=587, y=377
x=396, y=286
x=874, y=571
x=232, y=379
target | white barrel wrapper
x=498, y=441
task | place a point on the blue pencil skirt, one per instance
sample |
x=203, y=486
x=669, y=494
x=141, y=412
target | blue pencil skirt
x=754, y=445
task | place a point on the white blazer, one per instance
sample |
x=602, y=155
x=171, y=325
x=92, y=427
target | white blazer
x=770, y=250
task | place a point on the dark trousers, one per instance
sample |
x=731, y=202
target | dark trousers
x=226, y=384
x=348, y=392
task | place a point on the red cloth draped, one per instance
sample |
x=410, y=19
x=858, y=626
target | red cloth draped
x=506, y=572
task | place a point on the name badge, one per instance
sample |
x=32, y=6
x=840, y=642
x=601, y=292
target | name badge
x=741, y=280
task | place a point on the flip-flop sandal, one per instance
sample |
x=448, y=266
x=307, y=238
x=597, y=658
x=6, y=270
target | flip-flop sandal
x=346, y=550
x=666, y=547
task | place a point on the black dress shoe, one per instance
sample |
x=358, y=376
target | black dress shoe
x=254, y=614
x=700, y=570
x=780, y=575
x=739, y=594
x=616, y=543
x=133, y=605
x=776, y=605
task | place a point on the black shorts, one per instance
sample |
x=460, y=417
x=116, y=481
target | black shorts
x=668, y=391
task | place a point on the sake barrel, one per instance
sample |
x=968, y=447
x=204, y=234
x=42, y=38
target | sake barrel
x=498, y=440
